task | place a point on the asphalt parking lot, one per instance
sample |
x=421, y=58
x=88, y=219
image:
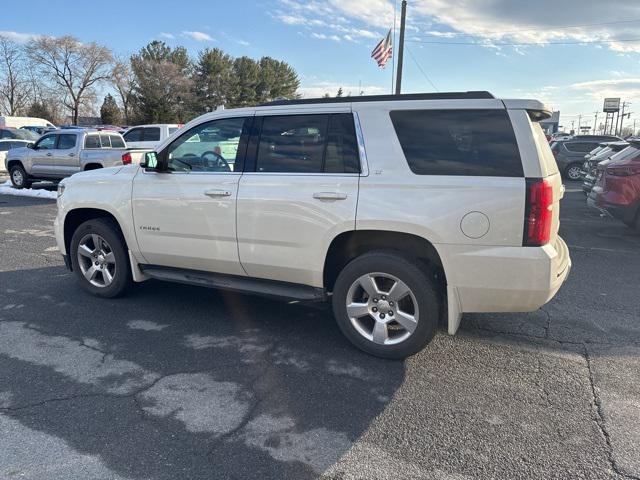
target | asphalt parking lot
x=178, y=382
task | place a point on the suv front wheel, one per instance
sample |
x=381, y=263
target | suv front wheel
x=99, y=258
x=573, y=171
x=386, y=305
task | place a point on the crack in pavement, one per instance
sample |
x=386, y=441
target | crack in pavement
x=600, y=421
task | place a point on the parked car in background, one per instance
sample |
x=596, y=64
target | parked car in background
x=17, y=134
x=397, y=208
x=149, y=136
x=38, y=130
x=570, y=153
x=617, y=188
x=593, y=158
x=6, y=145
x=19, y=122
x=62, y=153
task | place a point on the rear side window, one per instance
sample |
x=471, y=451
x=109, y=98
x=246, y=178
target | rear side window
x=579, y=147
x=92, y=141
x=323, y=143
x=172, y=129
x=4, y=146
x=151, y=134
x=134, y=135
x=293, y=144
x=104, y=140
x=458, y=142
x=116, y=141
x=66, y=141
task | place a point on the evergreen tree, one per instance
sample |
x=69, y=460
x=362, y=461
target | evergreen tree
x=246, y=73
x=109, y=112
x=340, y=92
x=213, y=79
x=276, y=80
x=164, y=83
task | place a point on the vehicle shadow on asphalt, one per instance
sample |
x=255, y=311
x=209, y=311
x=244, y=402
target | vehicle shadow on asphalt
x=192, y=377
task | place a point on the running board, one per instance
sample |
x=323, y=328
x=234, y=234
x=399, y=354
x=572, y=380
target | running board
x=257, y=286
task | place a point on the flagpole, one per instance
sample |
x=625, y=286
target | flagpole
x=393, y=60
x=403, y=18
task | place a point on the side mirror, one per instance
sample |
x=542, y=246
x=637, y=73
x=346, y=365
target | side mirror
x=150, y=161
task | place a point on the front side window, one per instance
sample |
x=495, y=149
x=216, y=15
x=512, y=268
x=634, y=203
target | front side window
x=458, y=142
x=66, y=141
x=209, y=147
x=133, y=135
x=48, y=142
x=151, y=134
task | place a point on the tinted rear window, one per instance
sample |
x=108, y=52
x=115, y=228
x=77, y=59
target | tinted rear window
x=66, y=141
x=458, y=142
x=92, y=141
x=579, y=147
x=116, y=141
x=134, y=135
x=151, y=134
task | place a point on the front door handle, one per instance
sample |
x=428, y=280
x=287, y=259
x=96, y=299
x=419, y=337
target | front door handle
x=72, y=154
x=330, y=196
x=49, y=154
x=217, y=193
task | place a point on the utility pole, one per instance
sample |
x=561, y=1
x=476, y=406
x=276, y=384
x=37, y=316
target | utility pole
x=579, y=122
x=628, y=115
x=595, y=122
x=403, y=18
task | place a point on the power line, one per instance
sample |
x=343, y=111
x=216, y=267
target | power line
x=421, y=70
x=561, y=27
x=522, y=44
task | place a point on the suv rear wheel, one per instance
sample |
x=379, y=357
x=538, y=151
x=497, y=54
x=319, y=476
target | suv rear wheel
x=19, y=177
x=573, y=171
x=99, y=258
x=386, y=305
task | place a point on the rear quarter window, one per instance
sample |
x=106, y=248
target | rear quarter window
x=116, y=141
x=92, y=141
x=458, y=142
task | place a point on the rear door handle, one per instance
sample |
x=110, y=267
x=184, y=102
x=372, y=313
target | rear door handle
x=49, y=154
x=330, y=196
x=72, y=154
x=217, y=193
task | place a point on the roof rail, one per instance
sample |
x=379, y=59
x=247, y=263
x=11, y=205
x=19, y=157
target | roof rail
x=472, y=95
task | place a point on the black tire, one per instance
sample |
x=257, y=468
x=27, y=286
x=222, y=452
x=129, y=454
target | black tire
x=570, y=174
x=109, y=231
x=19, y=177
x=421, y=284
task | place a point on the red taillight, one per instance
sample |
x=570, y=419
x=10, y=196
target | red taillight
x=538, y=215
x=126, y=159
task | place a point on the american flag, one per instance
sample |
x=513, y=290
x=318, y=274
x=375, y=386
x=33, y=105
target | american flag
x=382, y=53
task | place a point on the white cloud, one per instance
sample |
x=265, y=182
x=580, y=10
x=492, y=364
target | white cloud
x=244, y=43
x=170, y=36
x=322, y=36
x=18, y=37
x=626, y=88
x=197, y=36
x=543, y=21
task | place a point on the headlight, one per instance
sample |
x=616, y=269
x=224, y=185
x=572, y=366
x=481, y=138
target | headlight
x=60, y=189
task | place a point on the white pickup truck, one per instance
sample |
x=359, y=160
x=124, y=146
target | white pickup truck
x=62, y=153
x=149, y=136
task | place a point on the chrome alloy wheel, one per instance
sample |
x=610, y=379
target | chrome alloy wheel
x=96, y=260
x=17, y=177
x=574, y=172
x=382, y=308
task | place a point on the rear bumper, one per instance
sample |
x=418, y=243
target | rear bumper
x=507, y=279
x=611, y=203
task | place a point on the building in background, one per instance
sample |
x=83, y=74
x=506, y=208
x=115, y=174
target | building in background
x=550, y=125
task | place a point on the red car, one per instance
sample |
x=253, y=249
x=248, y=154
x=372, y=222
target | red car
x=617, y=189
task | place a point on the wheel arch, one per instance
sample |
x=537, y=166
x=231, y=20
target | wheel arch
x=76, y=217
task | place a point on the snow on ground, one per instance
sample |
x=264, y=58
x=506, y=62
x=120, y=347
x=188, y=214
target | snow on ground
x=7, y=189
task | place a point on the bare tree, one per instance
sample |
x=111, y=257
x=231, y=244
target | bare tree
x=124, y=82
x=74, y=67
x=14, y=87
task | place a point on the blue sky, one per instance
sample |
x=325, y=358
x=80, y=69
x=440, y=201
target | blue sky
x=328, y=42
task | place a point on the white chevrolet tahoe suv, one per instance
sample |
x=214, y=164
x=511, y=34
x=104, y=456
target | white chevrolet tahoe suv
x=404, y=211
